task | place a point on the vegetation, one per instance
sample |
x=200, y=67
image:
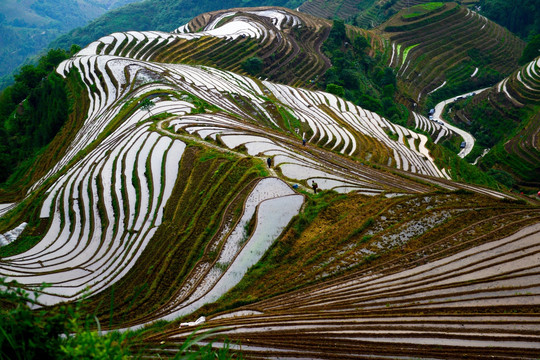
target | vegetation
x=531, y=51
x=513, y=158
x=147, y=104
x=358, y=77
x=459, y=169
x=164, y=15
x=32, y=111
x=62, y=332
x=506, y=121
x=449, y=47
x=209, y=180
x=67, y=332
x=252, y=65
x=170, y=247
x=489, y=126
x=27, y=28
x=522, y=17
x=333, y=235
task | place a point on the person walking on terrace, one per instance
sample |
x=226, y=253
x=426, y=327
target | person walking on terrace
x=314, y=186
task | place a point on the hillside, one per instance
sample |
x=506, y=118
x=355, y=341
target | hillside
x=521, y=16
x=448, y=51
x=30, y=27
x=27, y=27
x=180, y=186
x=157, y=15
x=366, y=14
x=290, y=53
x=506, y=123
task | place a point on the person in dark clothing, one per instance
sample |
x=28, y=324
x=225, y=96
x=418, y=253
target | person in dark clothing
x=304, y=141
x=269, y=162
x=314, y=186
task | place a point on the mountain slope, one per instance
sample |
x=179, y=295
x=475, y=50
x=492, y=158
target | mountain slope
x=506, y=120
x=183, y=180
x=450, y=51
x=129, y=162
x=363, y=13
x=160, y=15
x=290, y=53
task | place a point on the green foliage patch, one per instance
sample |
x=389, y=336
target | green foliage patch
x=459, y=169
x=422, y=10
x=32, y=111
x=68, y=332
x=522, y=17
x=423, y=22
x=252, y=65
x=360, y=78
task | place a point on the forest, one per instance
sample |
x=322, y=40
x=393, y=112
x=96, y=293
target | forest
x=32, y=111
x=522, y=17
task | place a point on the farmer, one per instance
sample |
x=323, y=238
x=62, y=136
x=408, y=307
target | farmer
x=314, y=186
x=304, y=141
x=269, y=162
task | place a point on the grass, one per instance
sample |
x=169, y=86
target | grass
x=406, y=51
x=290, y=121
x=421, y=9
x=314, y=205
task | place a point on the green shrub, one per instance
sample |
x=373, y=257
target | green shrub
x=252, y=65
x=531, y=51
x=67, y=332
x=335, y=89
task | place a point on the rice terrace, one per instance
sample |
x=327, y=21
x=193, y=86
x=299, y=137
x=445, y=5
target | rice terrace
x=282, y=184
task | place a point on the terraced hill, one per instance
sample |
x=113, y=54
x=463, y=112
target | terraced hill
x=454, y=298
x=512, y=127
x=448, y=51
x=363, y=13
x=523, y=86
x=343, y=9
x=288, y=43
x=186, y=190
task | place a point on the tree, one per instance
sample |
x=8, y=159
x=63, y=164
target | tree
x=147, y=104
x=531, y=51
x=519, y=16
x=360, y=44
x=253, y=65
x=335, y=89
x=338, y=33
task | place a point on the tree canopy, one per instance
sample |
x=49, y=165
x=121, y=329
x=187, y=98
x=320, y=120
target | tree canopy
x=32, y=111
x=522, y=17
x=531, y=51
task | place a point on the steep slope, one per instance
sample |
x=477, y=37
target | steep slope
x=448, y=51
x=162, y=202
x=288, y=43
x=451, y=299
x=505, y=119
x=363, y=13
x=159, y=15
x=118, y=173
